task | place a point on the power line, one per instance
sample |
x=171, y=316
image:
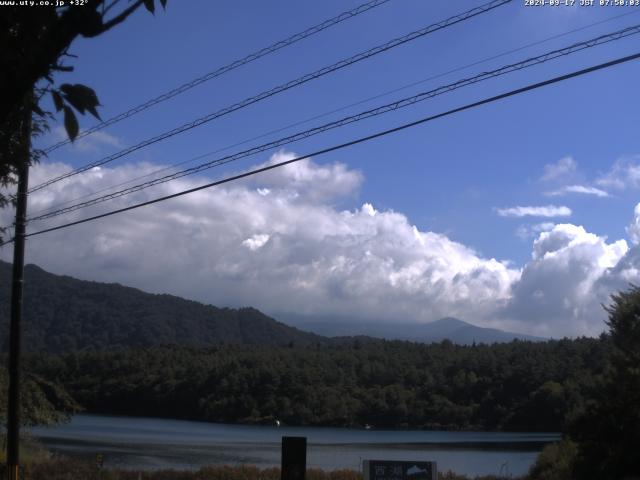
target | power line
x=346, y=107
x=365, y=7
x=352, y=142
x=283, y=87
x=402, y=103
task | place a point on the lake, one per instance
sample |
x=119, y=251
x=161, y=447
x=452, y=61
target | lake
x=153, y=443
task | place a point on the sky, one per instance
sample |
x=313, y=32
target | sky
x=522, y=214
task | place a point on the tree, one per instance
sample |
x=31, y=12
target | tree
x=42, y=402
x=608, y=432
x=555, y=462
x=35, y=45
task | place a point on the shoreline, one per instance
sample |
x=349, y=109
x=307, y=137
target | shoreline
x=154, y=444
x=557, y=435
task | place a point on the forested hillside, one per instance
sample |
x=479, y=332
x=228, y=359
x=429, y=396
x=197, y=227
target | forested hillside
x=119, y=350
x=63, y=314
x=514, y=386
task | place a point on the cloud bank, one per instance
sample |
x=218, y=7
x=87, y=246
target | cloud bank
x=279, y=243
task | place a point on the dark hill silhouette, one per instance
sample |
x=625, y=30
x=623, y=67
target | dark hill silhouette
x=62, y=313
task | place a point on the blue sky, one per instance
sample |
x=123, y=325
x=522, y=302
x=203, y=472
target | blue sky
x=447, y=175
x=450, y=177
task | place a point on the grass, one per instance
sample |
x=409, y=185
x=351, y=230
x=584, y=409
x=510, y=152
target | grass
x=63, y=468
x=37, y=463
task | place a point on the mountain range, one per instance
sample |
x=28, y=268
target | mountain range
x=62, y=313
x=449, y=328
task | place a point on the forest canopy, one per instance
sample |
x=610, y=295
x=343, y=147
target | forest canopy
x=514, y=386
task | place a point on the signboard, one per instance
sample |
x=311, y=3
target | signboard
x=399, y=470
x=294, y=458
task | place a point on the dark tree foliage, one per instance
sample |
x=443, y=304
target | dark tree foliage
x=514, y=386
x=65, y=314
x=608, y=432
x=555, y=462
x=41, y=402
x=35, y=45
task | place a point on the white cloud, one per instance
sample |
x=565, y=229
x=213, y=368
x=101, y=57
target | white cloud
x=633, y=230
x=624, y=174
x=275, y=242
x=256, y=241
x=578, y=189
x=625, y=272
x=278, y=243
x=559, y=170
x=544, y=211
x=557, y=292
x=526, y=232
x=317, y=183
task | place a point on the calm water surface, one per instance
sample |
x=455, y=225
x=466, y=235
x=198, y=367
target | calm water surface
x=151, y=443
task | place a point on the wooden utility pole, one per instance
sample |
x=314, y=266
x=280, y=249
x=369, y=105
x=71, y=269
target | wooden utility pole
x=13, y=407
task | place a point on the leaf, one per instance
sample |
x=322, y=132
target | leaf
x=57, y=100
x=81, y=98
x=164, y=4
x=94, y=112
x=70, y=123
x=150, y=5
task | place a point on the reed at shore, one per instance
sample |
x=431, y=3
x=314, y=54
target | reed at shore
x=65, y=468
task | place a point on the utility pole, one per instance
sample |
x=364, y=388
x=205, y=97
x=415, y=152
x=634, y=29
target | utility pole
x=13, y=407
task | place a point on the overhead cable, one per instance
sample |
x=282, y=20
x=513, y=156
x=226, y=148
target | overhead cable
x=365, y=7
x=357, y=141
x=281, y=88
x=336, y=110
x=402, y=103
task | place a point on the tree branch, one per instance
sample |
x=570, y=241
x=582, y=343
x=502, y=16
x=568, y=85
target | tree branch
x=121, y=17
x=109, y=7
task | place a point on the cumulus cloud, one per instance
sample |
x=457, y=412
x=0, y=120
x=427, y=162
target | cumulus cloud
x=583, y=189
x=276, y=242
x=306, y=179
x=633, y=230
x=526, y=232
x=544, y=211
x=560, y=170
x=279, y=242
x=556, y=291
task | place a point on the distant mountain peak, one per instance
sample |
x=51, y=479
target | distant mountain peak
x=459, y=331
x=448, y=328
x=451, y=320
